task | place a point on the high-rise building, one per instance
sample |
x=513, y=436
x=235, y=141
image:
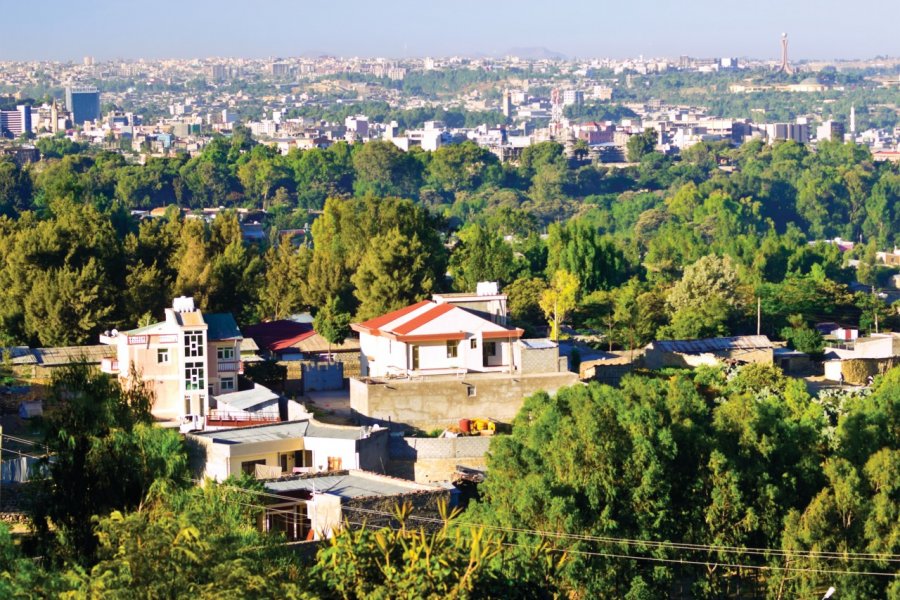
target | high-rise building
x=84, y=103
x=89, y=61
x=506, y=104
x=280, y=69
x=218, y=72
x=830, y=130
x=573, y=98
x=15, y=122
x=796, y=132
x=853, y=121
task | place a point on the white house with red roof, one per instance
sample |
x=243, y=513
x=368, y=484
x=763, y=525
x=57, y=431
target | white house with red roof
x=437, y=337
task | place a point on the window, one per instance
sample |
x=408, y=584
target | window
x=334, y=463
x=194, y=376
x=193, y=343
x=474, y=343
x=249, y=467
x=303, y=458
x=162, y=356
x=225, y=353
x=470, y=391
x=452, y=348
x=227, y=384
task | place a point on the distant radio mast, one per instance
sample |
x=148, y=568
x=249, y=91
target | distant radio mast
x=785, y=65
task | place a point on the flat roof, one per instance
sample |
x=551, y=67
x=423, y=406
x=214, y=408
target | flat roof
x=283, y=431
x=261, y=433
x=539, y=343
x=354, y=484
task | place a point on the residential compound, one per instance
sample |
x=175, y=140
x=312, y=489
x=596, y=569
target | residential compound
x=443, y=359
x=187, y=358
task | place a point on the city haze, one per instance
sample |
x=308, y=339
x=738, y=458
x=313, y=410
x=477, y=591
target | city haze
x=822, y=29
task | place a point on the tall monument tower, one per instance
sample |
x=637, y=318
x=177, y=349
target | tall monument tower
x=785, y=65
x=853, y=121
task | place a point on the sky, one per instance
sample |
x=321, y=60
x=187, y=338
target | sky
x=112, y=29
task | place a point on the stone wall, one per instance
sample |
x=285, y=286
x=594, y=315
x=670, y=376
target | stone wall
x=437, y=403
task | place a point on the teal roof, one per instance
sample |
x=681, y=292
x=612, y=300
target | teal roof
x=152, y=328
x=222, y=326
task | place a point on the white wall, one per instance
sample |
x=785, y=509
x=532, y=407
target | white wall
x=322, y=448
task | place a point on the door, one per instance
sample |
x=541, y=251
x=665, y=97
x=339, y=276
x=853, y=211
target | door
x=415, y=358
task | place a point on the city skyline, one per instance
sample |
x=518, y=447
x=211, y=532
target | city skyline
x=405, y=29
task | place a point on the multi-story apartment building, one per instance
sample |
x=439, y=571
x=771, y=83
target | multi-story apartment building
x=15, y=122
x=186, y=359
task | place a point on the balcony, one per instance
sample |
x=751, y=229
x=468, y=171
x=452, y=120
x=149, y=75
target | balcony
x=230, y=366
x=110, y=366
x=218, y=418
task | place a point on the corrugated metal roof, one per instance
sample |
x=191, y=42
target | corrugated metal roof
x=249, y=345
x=318, y=430
x=52, y=357
x=248, y=399
x=19, y=355
x=316, y=343
x=260, y=433
x=741, y=342
x=152, y=328
x=350, y=485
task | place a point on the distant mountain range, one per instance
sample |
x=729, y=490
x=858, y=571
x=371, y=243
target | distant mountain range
x=535, y=53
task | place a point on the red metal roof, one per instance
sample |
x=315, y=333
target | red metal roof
x=377, y=322
x=423, y=319
x=279, y=335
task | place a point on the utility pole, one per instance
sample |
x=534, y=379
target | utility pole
x=875, y=307
x=758, y=315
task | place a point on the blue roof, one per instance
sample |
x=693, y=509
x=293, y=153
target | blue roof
x=222, y=326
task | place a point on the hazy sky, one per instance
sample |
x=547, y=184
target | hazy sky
x=67, y=30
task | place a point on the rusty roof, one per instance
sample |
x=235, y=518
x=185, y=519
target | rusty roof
x=740, y=342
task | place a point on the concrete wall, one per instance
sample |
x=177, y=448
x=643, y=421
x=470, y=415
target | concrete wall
x=438, y=402
x=429, y=460
x=543, y=360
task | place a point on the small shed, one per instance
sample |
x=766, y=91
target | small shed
x=711, y=351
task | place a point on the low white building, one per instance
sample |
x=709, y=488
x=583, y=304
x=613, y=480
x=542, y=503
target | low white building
x=279, y=449
x=435, y=337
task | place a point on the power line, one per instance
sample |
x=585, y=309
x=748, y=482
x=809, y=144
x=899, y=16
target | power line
x=675, y=546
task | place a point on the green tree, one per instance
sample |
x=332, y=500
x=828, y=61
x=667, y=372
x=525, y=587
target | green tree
x=558, y=300
x=285, y=270
x=107, y=454
x=385, y=170
x=641, y=144
x=395, y=272
x=482, y=255
x=705, y=299
x=332, y=323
